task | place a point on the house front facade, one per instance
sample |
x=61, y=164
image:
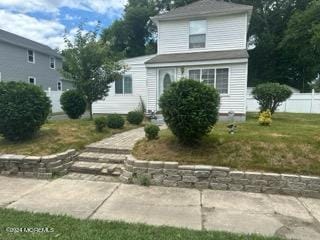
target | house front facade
x=27, y=61
x=205, y=41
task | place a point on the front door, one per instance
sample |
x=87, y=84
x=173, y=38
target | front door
x=166, y=77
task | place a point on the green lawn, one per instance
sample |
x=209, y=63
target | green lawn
x=60, y=135
x=291, y=145
x=74, y=229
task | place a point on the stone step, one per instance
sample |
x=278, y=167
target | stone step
x=100, y=148
x=95, y=168
x=102, y=157
x=91, y=177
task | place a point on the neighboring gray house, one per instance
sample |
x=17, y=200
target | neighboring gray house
x=24, y=60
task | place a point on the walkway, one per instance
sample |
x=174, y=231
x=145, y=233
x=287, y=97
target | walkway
x=271, y=215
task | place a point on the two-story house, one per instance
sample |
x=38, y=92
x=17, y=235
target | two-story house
x=205, y=41
x=24, y=60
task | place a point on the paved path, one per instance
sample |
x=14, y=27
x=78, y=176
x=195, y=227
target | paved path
x=271, y=215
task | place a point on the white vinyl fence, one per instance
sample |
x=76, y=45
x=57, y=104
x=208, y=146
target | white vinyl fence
x=55, y=100
x=297, y=103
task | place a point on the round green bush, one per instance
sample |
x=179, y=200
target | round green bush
x=190, y=109
x=24, y=108
x=73, y=104
x=271, y=95
x=135, y=117
x=152, y=131
x=115, y=121
x=100, y=123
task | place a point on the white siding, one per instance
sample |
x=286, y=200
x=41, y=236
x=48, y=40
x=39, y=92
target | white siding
x=115, y=103
x=223, y=33
x=234, y=101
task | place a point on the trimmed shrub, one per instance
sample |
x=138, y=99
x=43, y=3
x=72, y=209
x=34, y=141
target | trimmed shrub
x=265, y=118
x=190, y=109
x=73, y=104
x=24, y=108
x=100, y=123
x=115, y=121
x=271, y=95
x=152, y=131
x=135, y=117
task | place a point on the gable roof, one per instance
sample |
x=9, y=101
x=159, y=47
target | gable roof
x=27, y=43
x=198, y=56
x=204, y=8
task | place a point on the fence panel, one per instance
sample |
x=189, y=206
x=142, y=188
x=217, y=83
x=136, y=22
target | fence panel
x=55, y=100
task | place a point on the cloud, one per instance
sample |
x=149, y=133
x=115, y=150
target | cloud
x=48, y=32
x=28, y=6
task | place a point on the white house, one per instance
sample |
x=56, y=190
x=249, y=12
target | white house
x=205, y=41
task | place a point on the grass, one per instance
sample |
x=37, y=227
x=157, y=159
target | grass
x=66, y=228
x=291, y=145
x=60, y=135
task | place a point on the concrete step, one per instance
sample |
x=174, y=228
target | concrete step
x=95, y=168
x=102, y=157
x=91, y=177
x=100, y=148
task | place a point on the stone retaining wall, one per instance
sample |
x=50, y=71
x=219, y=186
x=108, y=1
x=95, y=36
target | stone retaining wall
x=219, y=178
x=44, y=167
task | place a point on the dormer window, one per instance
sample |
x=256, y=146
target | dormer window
x=52, y=63
x=197, y=34
x=31, y=56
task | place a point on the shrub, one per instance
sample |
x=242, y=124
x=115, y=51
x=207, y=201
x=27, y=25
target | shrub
x=271, y=95
x=115, y=121
x=265, y=118
x=135, y=117
x=101, y=123
x=152, y=131
x=73, y=104
x=190, y=109
x=24, y=108
x=144, y=180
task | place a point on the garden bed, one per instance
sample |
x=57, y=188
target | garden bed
x=290, y=145
x=60, y=135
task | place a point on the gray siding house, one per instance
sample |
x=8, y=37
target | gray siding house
x=24, y=60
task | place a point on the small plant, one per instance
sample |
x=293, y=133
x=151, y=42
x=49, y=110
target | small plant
x=142, y=106
x=135, y=117
x=265, y=118
x=152, y=131
x=100, y=123
x=115, y=121
x=24, y=108
x=144, y=180
x=73, y=104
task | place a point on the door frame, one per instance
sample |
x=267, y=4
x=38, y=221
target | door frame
x=158, y=81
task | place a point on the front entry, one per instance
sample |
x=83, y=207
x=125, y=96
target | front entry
x=166, y=77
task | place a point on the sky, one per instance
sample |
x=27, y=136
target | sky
x=47, y=21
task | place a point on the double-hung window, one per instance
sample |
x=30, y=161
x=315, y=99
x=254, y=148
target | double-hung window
x=215, y=77
x=197, y=34
x=52, y=63
x=32, y=80
x=31, y=57
x=124, y=85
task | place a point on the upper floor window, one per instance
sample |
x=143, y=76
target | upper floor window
x=124, y=85
x=52, y=63
x=59, y=86
x=218, y=78
x=32, y=80
x=197, y=34
x=31, y=57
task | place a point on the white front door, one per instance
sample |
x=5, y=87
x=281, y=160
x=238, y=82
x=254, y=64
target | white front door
x=166, y=77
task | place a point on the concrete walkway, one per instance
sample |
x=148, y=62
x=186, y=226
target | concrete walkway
x=270, y=215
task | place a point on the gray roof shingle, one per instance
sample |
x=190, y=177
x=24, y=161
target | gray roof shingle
x=198, y=56
x=27, y=43
x=204, y=8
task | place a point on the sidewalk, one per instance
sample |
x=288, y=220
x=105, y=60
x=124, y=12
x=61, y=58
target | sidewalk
x=270, y=215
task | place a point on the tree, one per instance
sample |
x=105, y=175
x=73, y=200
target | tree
x=302, y=41
x=90, y=64
x=271, y=95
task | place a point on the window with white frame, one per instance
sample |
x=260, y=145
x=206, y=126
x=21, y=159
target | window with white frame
x=197, y=34
x=124, y=85
x=215, y=77
x=0, y=77
x=52, y=63
x=31, y=56
x=59, y=86
x=32, y=80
